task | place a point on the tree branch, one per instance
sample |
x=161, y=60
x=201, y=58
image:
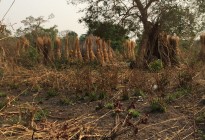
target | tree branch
x=143, y=11
x=149, y=3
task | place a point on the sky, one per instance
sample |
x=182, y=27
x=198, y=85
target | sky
x=66, y=16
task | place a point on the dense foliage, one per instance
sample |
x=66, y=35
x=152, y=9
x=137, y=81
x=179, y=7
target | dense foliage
x=108, y=31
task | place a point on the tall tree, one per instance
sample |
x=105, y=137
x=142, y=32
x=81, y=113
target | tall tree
x=108, y=31
x=33, y=27
x=147, y=18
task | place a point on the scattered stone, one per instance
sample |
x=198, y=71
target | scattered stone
x=140, y=99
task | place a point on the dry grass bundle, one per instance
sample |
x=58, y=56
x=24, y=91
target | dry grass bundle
x=91, y=53
x=105, y=52
x=2, y=54
x=132, y=48
x=22, y=45
x=57, y=48
x=47, y=51
x=167, y=49
x=78, y=54
x=87, y=55
x=94, y=48
x=100, y=57
x=39, y=44
x=202, y=41
x=66, y=54
x=43, y=46
x=100, y=54
x=101, y=50
x=110, y=51
x=173, y=48
x=129, y=49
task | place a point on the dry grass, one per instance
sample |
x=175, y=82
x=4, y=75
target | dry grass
x=129, y=49
x=114, y=79
x=202, y=51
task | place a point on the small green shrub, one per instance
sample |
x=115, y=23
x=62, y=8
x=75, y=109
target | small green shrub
x=93, y=96
x=30, y=58
x=40, y=114
x=51, y=93
x=134, y=113
x=14, y=86
x=109, y=106
x=2, y=94
x=36, y=88
x=65, y=101
x=99, y=106
x=203, y=137
x=125, y=96
x=177, y=94
x=102, y=95
x=158, y=105
x=155, y=66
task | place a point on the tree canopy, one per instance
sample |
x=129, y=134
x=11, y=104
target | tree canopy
x=185, y=17
x=33, y=27
x=108, y=31
x=147, y=19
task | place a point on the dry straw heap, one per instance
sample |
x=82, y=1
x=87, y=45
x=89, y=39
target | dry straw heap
x=43, y=46
x=202, y=51
x=96, y=49
x=129, y=49
x=57, y=48
x=168, y=48
x=72, y=49
x=22, y=45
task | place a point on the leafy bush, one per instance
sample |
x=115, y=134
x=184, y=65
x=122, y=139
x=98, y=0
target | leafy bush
x=177, y=94
x=134, y=113
x=155, y=66
x=109, y=106
x=51, y=93
x=93, y=96
x=2, y=94
x=158, y=105
x=40, y=114
x=102, y=95
x=125, y=96
x=30, y=58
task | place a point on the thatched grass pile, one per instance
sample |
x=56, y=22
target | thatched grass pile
x=202, y=51
x=129, y=49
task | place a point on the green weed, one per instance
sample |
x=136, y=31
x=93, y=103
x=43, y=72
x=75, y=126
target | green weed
x=134, y=113
x=158, y=105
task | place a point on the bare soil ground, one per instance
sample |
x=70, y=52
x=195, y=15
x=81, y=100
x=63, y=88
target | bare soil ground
x=92, y=102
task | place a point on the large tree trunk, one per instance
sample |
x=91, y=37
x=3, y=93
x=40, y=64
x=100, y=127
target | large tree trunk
x=156, y=45
x=149, y=45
